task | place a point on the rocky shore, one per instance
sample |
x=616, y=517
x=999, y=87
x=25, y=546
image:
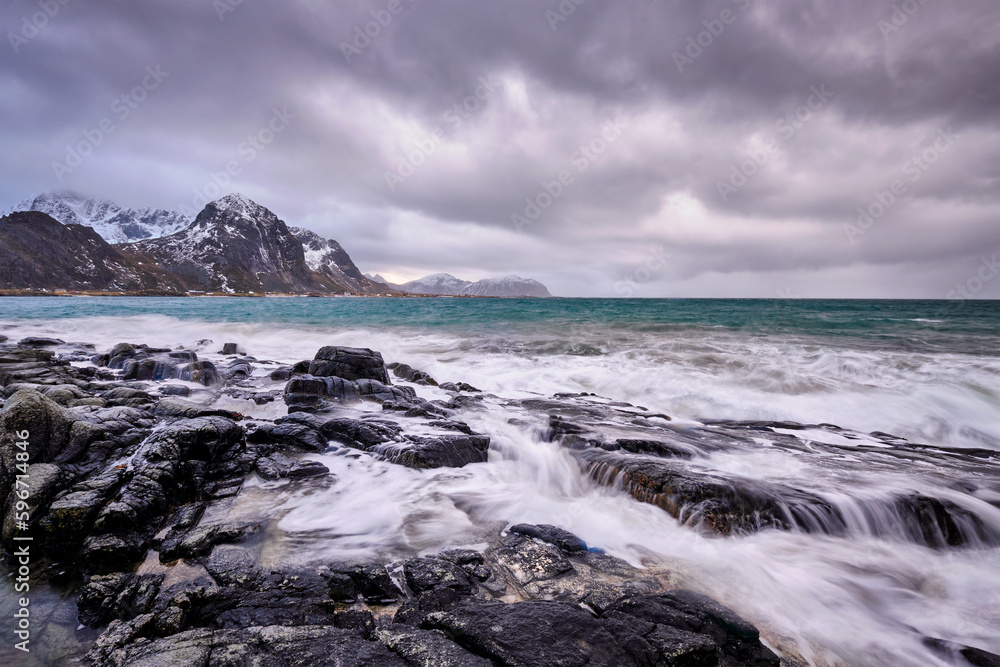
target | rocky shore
x=131, y=452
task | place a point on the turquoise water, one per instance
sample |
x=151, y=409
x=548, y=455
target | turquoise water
x=933, y=325
x=925, y=370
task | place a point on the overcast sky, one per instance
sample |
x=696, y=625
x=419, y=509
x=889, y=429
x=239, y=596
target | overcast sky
x=705, y=148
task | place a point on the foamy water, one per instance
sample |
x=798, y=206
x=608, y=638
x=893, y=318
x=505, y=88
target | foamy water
x=858, y=599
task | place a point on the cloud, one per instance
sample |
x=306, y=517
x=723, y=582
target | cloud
x=496, y=100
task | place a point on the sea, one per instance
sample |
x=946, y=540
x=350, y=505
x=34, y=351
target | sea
x=925, y=371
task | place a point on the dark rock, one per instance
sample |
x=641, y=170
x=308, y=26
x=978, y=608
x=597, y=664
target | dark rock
x=953, y=651
x=178, y=407
x=424, y=574
x=47, y=425
x=38, y=341
x=278, y=466
x=121, y=595
x=565, y=540
x=281, y=374
x=371, y=582
x=112, y=552
x=425, y=647
x=287, y=434
x=412, y=375
x=270, y=645
x=175, y=390
x=360, y=621
x=239, y=370
x=301, y=368
x=530, y=561
x=350, y=363
x=230, y=348
x=203, y=372
x=438, y=451
x=539, y=633
x=200, y=540
x=360, y=434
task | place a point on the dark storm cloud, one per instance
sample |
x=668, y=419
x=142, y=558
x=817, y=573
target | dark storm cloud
x=749, y=133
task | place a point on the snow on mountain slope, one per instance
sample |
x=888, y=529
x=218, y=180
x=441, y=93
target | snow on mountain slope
x=507, y=286
x=114, y=223
x=436, y=283
x=328, y=258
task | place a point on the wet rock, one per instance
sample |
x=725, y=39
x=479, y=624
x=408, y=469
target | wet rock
x=539, y=633
x=369, y=581
x=360, y=434
x=270, y=645
x=687, y=624
x=309, y=393
x=230, y=348
x=410, y=374
x=458, y=386
x=112, y=552
x=438, y=451
x=239, y=370
x=203, y=372
x=39, y=341
x=288, y=434
x=357, y=620
x=175, y=390
x=47, y=425
x=199, y=541
x=281, y=374
x=280, y=466
x=350, y=363
x=565, y=540
x=529, y=561
x=953, y=652
x=426, y=647
x=232, y=565
x=178, y=407
x=424, y=574
x=121, y=595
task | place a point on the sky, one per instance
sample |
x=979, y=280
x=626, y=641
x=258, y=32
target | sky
x=656, y=148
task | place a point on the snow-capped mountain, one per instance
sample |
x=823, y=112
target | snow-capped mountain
x=328, y=258
x=114, y=223
x=507, y=286
x=446, y=284
x=234, y=245
x=436, y=283
x=377, y=278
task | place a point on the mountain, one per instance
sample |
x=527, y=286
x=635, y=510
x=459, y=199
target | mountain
x=377, y=278
x=328, y=258
x=507, y=286
x=436, y=283
x=114, y=223
x=447, y=284
x=38, y=251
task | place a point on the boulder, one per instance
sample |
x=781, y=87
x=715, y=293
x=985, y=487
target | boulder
x=350, y=363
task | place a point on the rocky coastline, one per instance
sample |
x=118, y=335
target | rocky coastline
x=130, y=455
